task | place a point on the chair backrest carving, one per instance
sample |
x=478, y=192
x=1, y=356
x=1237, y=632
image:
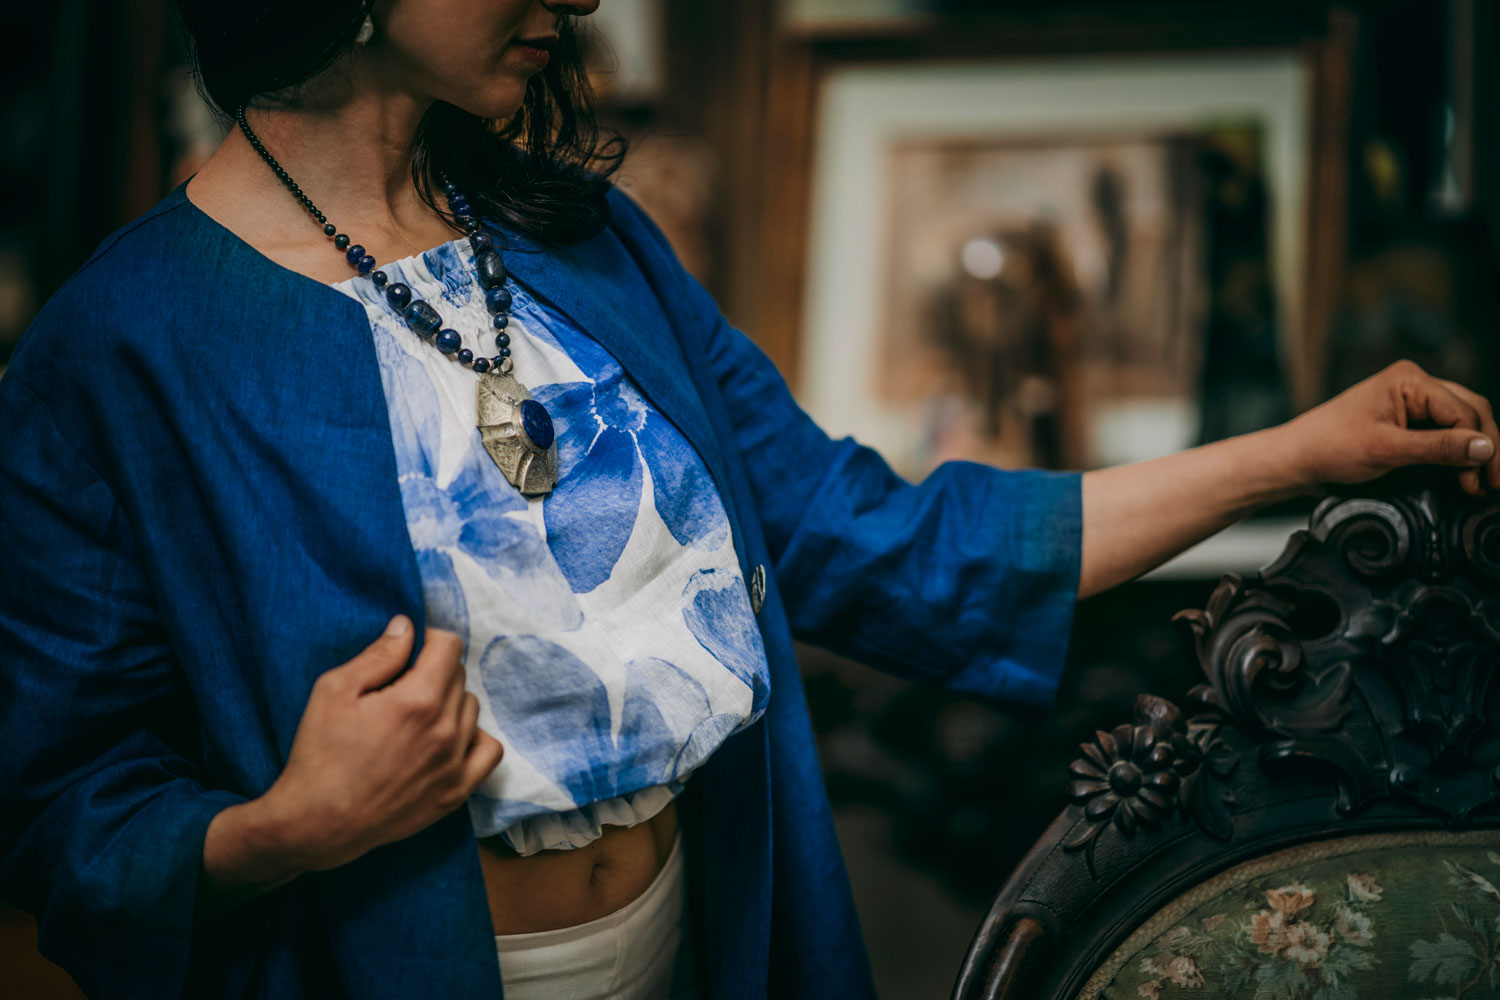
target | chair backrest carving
x=1347, y=690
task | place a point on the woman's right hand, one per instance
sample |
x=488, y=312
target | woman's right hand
x=372, y=762
x=375, y=761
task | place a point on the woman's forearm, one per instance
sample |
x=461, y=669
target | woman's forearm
x=1136, y=517
x=247, y=852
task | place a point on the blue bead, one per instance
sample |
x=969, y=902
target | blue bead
x=505, y=352
x=471, y=224
x=379, y=278
x=398, y=295
x=497, y=299
x=460, y=205
x=448, y=341
x=481, y=365
x=329, y=229
x=354, y=253
x=501, y=321
x=341, y=241
x=536, y=424
x=480, y=241
x=465, y=356
x=495, y=361
x=422, y=318
x=365, y=263
x=502, y=340
x=490, y=267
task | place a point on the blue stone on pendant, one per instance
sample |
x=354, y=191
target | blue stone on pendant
x=536, y=424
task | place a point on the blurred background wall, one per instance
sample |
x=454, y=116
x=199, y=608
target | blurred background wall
x=1059, y=234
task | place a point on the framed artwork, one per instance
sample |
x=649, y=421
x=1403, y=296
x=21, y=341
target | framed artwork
x=1066, y=262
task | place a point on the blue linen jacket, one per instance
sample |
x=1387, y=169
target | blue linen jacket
x=199, y=513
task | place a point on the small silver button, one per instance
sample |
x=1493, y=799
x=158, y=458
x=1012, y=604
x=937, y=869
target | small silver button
x=757, y=588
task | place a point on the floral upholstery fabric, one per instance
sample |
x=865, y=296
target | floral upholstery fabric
x=1368, y=918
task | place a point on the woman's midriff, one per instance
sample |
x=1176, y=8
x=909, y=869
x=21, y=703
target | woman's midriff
x=552, y=889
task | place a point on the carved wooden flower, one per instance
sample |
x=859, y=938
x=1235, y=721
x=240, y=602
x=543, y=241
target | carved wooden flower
x=1126, y=776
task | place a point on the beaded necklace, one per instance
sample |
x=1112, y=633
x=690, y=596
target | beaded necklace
x=516, y=429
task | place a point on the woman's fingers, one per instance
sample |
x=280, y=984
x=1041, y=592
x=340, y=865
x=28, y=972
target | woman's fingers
x=468, y=721
x=378, y=663
x=484, y=755
x=440, y=658
x=1426, y=398
x=453, y=702
x=427, y=689
x=1487, y=425
x=1449, y=446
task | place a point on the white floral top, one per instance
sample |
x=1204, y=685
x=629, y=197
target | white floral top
x=608, y=632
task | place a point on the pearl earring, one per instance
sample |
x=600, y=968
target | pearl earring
x=366, y=31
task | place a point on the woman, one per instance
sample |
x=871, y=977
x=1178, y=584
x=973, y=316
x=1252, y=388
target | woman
x=288, y=548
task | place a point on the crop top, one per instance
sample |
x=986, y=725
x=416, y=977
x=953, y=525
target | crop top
x=608, y=632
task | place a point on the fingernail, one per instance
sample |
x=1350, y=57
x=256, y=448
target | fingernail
x=399, y=625
x=1480, y=449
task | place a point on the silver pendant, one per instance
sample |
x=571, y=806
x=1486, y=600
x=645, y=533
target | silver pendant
x=517, y=432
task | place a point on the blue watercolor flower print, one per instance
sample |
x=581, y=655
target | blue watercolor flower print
x=447, y=265
x=554, y=711
x=470, y=516
x=608, y=439
x=718, y=613
x=656, y=690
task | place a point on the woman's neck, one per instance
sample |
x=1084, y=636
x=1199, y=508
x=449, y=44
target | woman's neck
x=353, y=160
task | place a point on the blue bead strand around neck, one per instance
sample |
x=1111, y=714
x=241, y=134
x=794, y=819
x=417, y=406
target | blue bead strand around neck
x=421, y=317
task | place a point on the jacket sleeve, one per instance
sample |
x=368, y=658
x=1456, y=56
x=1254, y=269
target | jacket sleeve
x=967, y=579
x=104, y=811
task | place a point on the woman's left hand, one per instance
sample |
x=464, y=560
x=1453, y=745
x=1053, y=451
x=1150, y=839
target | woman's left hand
x=1140, y=515
x=1365, y=431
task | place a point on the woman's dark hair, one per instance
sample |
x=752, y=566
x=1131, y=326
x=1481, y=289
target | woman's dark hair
x=545, y=171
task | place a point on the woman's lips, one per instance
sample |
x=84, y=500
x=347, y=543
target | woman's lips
x=532, y=54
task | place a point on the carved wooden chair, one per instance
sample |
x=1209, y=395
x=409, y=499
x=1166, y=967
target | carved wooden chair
x=1323, y=821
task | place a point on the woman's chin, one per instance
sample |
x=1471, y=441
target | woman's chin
x=504, y=103
x=500, y=93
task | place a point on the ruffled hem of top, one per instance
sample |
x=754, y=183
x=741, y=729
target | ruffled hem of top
x=577, y=827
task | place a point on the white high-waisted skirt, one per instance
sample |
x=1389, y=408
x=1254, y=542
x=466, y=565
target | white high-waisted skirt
x=630, y=954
